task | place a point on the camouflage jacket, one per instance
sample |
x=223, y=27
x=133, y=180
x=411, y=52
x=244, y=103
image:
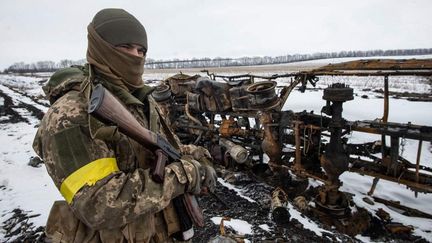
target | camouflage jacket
x=103, y=175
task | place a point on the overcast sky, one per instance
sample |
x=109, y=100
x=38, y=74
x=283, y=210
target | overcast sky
x=32, y=30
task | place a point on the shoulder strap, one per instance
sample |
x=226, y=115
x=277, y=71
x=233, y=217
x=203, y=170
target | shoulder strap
x=154, y=108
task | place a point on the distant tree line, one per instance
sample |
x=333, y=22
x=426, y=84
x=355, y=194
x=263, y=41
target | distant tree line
x=41, y=66
x=252, y=61
x=50, y=66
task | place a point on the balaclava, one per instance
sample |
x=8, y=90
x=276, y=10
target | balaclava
x=111, y=27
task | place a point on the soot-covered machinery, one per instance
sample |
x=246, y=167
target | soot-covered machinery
x=240, y=120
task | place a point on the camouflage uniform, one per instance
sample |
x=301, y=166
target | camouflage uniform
x=104, y=175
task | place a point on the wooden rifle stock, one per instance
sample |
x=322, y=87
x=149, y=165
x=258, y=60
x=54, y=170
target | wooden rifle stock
x=108, y=109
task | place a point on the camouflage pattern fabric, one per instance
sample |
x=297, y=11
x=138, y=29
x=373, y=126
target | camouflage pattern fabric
x=125, y=205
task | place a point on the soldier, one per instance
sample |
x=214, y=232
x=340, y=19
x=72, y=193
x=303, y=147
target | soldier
x=102, y=174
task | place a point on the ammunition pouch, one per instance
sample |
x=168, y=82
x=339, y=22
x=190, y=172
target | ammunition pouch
x=63, y=226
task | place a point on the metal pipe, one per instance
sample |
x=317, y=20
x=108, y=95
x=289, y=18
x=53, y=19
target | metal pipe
x=237, y=152
x=297, y=162
x=374, y=184
x=279, y=211
x=418, y=160
x=189, y=115
x=386, y=100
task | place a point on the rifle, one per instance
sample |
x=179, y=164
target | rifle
x=105, y=106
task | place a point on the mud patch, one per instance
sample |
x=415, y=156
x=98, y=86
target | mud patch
x=408, y=95
x=17, y=227
x=7, y=111
x=35, y=99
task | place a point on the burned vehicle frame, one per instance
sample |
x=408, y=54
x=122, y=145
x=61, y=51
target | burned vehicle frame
x=240, y=120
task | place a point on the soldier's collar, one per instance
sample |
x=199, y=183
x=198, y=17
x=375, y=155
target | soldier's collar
x=123, y=95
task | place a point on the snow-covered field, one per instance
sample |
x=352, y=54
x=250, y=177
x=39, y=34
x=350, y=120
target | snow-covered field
x=22, y=186
x=31, y=189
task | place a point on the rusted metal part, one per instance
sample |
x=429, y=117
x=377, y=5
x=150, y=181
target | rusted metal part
x=262, y=95
x=405, y=170
x=279, y=210
x=383, y=215
x=338, y=92
x=352, y=224
x=418, y=160
x=405, y=177
x=408, y=131
x=249, y=79
x=239, y=98
x=190, y=116
x=384, y=155
x=333, y=202
x=245, y=76
x=269, y=144
x=408, y=211
x=301, y=203
x=221, y=226
x=398, y=228
x=386, y=100
x=372, y=73
x=237, y=152
x=381, y=64
x=377, y=67
x=394, y=156
x=162, y=93
x=297, y=162
x=195, y=101
x=230, y=127
x=303, y=173
x=181, y=83
x=335, y=159
x=286, y=91
x=373, y=187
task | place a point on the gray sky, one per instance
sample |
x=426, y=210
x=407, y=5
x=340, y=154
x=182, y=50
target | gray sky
x=53, y=30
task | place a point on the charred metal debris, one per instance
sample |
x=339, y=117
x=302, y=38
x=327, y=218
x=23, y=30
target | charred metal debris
x=239, y=119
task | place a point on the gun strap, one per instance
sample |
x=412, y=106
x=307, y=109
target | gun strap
x=167, y=131
x=86, y=88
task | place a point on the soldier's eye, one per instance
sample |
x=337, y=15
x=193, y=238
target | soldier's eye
x=143, y=51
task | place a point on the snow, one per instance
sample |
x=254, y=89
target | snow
x=363, y=238
x=264, y=227
x=25, y=187
x=237, y=190
x=17, y=97
x=307, y=223
x=29, y=84
x=240, y=226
